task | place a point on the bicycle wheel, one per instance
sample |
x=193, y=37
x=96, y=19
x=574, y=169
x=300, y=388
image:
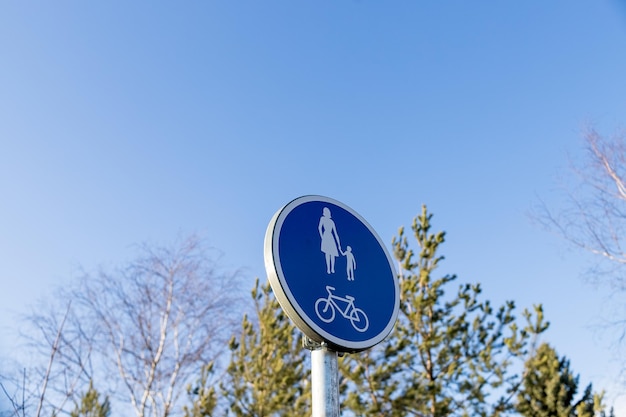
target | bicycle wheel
x=359, y=320
x=325, y=310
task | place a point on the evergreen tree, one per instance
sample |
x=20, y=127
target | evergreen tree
x=371, y=380
x=451, y=354
x=91, y=406
x=448, y=355
x=549, y=389
x=267, y=375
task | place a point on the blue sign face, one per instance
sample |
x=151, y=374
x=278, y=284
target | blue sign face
x=331, y=273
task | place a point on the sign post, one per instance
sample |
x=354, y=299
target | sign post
x=324, y=382
x=335, y=280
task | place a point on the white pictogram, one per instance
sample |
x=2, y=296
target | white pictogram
x=325, y=310
x=331, y=245
x=350, y=263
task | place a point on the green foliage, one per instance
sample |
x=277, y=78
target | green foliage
x=448, y=355
x=371, y=381
x=549, y=389
x=91, y=406
x=267, y=375
x=203, y=396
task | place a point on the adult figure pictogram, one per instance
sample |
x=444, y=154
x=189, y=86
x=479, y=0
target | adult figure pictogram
x=331, y=245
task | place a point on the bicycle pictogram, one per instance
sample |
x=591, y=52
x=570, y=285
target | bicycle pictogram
x=325, y=310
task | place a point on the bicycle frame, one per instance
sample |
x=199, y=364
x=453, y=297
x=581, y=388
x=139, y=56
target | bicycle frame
x=348, y=299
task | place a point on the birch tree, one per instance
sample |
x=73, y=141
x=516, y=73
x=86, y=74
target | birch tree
x=59, y=349
x=149, y=326
x=593, y=216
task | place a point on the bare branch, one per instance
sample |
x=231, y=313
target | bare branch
x=140, y=332
x=594, y=217
x=53, y=352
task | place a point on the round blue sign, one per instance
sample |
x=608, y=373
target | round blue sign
x=331, y=273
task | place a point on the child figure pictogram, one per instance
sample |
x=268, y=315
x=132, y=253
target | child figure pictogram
x=350, y=263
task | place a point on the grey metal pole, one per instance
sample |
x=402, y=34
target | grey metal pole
x=325, y=382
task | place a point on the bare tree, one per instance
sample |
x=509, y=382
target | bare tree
x=56, y=345
x=16, y=403
x=54, y=334
x=143, y=331
x=593, y=218
x=594, y=215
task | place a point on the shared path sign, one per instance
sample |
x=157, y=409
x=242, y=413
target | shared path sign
x=331, y=273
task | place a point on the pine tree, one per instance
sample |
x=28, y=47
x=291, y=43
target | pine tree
x=268, y=374
x=549, y=389
x=448, y=355
x=370, y=384
x=91, y=406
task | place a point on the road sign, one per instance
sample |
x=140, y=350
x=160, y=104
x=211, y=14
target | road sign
x=331, y=273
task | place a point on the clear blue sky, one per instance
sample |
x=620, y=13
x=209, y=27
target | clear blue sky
x=124, y=122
